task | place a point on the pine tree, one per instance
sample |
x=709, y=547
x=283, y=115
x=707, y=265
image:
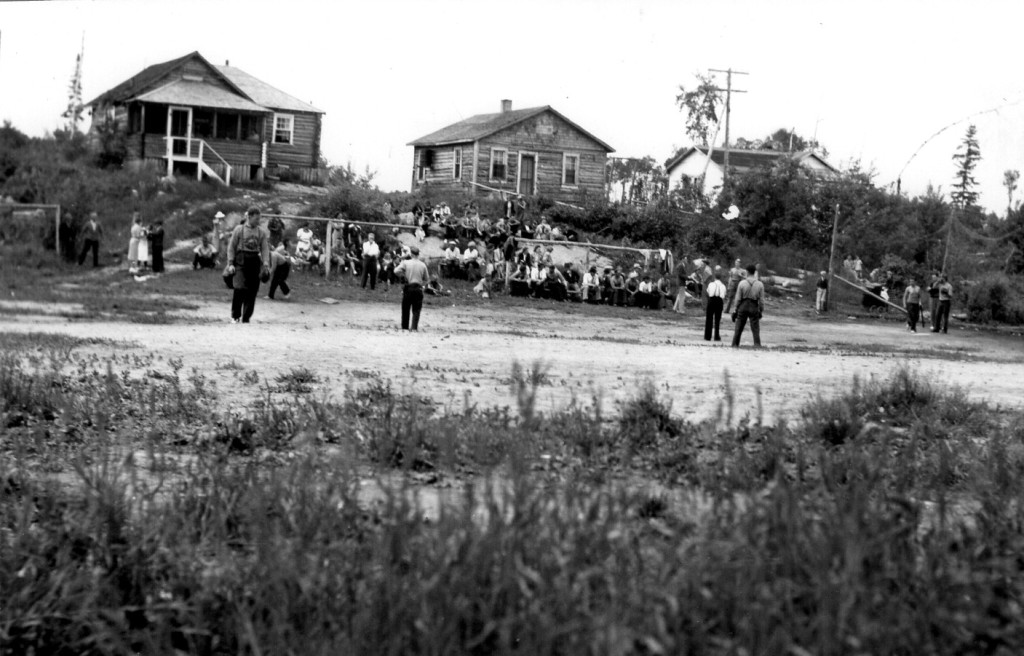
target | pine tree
x=967, y=155
x=75, y=108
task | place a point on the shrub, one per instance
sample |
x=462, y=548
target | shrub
x=996, y=297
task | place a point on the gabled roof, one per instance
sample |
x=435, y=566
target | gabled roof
x=744, y=160
x=477, y=127
x=197, y=93
x=141, y=81
x=264, y=94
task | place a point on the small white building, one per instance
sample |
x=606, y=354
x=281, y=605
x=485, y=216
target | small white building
x=691, y=162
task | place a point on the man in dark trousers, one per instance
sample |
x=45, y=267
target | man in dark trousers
x=371, y=254
x=92, y=232
x=716, y=301
x=749, y=307
x=280, y=267
x=821, y=300
x=945, y=300
x=416, y=277
x=249, y=262
x=933, y=298
x=912, y=302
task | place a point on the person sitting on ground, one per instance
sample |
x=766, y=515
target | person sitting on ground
x=435, y=288
x=527, y=230
x=632, y=289
x=204, y=256
x=591, y=286
x=471, y=262
x=543, y=230
x=645, y=293
x=467, y=227
x=354, y=259
x=618, y=288
x=280, y=267
x=524, y=256
x=557, y=234
x=304, y=238
x=451, y=266
x=663, y=290
x=572, y=282
x=553, y=285
x=515, y=226
x=606, y=287
x=451, y=228
x=634, y=273
x=547, y=257
x=519, y=283
x=536, y=280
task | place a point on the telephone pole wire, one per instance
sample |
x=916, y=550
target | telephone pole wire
x=728, y=108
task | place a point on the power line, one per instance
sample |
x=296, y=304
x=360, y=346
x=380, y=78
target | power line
x=728, y=106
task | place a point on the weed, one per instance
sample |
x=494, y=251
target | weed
x=299, y=380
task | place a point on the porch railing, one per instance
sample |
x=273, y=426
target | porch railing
x=191, y=149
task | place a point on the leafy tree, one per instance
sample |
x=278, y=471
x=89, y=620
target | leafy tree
x=701, y=106
x=646, y=178
x=964, y=196
x=781, y=140
x=1010, y=178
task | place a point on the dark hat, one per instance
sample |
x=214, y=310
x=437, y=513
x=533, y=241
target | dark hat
x=415, y=250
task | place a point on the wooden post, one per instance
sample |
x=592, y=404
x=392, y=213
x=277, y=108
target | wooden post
x=829, y=303
x=57, y=235
x=949, y=238
x=327, y=250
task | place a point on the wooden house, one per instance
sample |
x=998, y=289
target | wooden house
x=199, y=119
x=690, y=163
x=535, y=151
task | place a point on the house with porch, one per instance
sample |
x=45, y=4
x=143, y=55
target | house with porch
x=534, y=151
x=690, y=163
x=220, y=122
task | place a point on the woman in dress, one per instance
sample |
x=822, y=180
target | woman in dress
x=138, y=233
x=143, y=247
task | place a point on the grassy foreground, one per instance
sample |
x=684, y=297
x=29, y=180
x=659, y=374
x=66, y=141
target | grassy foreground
x=886, y=520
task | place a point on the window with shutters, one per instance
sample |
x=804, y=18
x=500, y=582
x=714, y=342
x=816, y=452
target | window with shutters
x=284, y=128
x=499, y=164
x=570, y=169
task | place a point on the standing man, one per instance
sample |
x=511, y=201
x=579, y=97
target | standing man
x=92, y=232
x=933, y=297
x=371, y=252
x=716, y=301
x=822, y=298
x=945, y=300
x=912, y=302
x=416, y=277
x=749, y=307
x=249, y=261
x=735, y=275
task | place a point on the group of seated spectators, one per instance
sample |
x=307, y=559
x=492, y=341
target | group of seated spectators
x=609, y=286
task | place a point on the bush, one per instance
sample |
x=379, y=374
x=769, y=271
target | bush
x=996, y=297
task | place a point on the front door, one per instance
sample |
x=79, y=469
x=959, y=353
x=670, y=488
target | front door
x=527, y=168
x=179, y=124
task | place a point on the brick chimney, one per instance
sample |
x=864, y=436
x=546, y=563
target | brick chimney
x=506, y=106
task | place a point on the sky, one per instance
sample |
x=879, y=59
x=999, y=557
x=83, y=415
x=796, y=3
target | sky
x=874, y=81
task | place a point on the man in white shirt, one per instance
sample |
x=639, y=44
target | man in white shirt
x=591, y=285
x=716, y=302
x=645, y=293
x=471, y=261
x=543, y=230
x=371, y=254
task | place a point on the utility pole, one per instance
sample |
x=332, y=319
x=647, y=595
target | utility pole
x=728, y=108
x=949, y=237
x=829, y=302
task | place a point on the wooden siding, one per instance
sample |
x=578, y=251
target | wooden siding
x=304, y=146
x=440, y=174
x=549, y=137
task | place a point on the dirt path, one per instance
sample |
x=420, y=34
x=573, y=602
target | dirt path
x=464, y=354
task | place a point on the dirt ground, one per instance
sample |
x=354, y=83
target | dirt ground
x=464, y=354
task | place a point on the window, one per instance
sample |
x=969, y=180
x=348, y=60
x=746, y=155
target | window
x=570, y=169
x=284, y=125
x=420, y=167
x=202, y=123
x=251, y=128
x=499, y=163
x=457, y=168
